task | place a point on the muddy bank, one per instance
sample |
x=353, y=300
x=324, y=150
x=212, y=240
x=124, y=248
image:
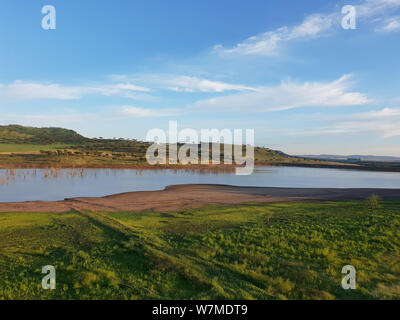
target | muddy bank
x=180, y=197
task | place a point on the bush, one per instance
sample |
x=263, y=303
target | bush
x=372, y=203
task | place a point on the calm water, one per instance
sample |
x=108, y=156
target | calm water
x=24, y=185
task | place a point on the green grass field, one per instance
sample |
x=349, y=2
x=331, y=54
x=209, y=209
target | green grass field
x=14, y=147
x=216, y=252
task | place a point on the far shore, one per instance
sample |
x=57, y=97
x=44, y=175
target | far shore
x=179, y=197
x=211, y=167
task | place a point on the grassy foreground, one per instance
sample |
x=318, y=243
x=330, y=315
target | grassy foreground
x=216, y=252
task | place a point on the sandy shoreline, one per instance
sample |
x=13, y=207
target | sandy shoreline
x=179, y=197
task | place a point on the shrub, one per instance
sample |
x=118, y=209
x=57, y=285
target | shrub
x=372, y=203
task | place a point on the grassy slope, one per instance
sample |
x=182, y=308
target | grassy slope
x=15, y=134
x=20, y=147
x=16, y=147
x=92, y=152
x=214, y=252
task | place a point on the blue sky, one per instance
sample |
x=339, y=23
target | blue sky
x=285, y=68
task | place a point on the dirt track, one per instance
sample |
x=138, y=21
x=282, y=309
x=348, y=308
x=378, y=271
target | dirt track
x=193, y=196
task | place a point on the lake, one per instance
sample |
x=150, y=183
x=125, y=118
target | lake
x=42, y=184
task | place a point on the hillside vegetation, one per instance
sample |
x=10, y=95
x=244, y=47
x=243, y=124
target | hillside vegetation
x=253, y=251
x=15, y=134
x=30, y=146
x=57, y=147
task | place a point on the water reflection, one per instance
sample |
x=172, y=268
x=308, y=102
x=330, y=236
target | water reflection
x=11, y=175
x=57, y=184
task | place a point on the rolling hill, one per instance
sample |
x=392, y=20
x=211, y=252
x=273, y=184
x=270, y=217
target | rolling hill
x=29, y=135
x=344, y=157
x=22, y=146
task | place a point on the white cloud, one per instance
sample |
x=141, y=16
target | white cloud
x=390, y=25
x=129, y=87
x=31, y=91
x=20, y=90
x=136, y=112
x=193, y=84
x=267, y=43
x=47, y=120
x=385, y=113
x=313, y=26
x=72, y=117
x=182, y=83
x=288, y=95
x=371, y=8
x=384, y=122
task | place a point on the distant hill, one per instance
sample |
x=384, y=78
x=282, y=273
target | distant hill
x=352, y=157
x=281, y=153
x=16, y=135
x=30, y=135
x=59, y=145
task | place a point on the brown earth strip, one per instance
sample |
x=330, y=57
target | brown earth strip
x=179, y=197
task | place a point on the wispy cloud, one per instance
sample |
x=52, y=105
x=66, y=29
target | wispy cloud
x=137, y=112
x=182, y=83
x=128, y=87
x=372, y=8
x=288, y=95
x=194, y=84
x=390, y=25
x=313, y=26
x=382, y=122
x=73, y=118
x=385, y=122
x=49, y=120
x=21, y=90
x=268, y=42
